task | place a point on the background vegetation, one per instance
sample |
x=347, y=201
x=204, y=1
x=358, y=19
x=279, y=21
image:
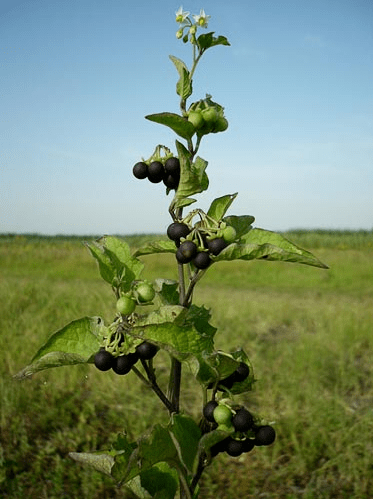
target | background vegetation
x=308, y=332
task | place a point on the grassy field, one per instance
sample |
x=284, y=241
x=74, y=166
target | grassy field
x=307, y=331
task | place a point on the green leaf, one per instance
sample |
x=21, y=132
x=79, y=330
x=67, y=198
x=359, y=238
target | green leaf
x=264, y=244
x=208, y=368
x=153, y=447
x=186, y=435
x=116, y=264
x=184, y=85
x=168, y=291
x=156, y=247
x=242, y=224
x=75, y=343
x=100, y=461
x=220, y=206
x=173, y=330
x=181, y=126
x=193, y=178
x=161, y=481
x=207, y=40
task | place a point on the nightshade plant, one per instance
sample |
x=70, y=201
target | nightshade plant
x=169, y=459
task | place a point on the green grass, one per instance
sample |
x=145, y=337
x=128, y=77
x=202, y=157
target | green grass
x=307, y=331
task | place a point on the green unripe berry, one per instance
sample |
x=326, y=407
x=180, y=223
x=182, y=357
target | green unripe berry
x=222, y=415
x=126, y=305
x=229, y=234
x=210, y=115
x=195, y=117
x=221, y=125
x=145, y=292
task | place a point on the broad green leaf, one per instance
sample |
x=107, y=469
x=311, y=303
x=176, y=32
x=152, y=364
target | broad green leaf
x=264, y=244
x=161, y=481
x=100, y=461
x=75, y=343
x=242, y=224
x=213, y=366
x=199, y=317
x=220, y=206
x=173, y=330
x=156, y=247
x=181, y=126
x=184, y=85
x=153, y=447
x=193, y=178
x=186, y=435
x=219, y=365
x=106, y=268
x=208, y=40
x=168, y=291
x=116, y=264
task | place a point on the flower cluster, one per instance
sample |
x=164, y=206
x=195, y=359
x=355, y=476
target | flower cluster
x=182, y=18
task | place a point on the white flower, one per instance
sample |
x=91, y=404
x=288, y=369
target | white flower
x=202, y=20
x=181, y=15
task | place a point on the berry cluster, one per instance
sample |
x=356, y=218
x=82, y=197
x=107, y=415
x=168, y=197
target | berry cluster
x=156, y=172
x=122, y=364
x=189, y=251
x=246, y=434
x=240, y=374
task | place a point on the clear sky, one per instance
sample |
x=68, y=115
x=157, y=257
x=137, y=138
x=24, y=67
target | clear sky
x=77, y=78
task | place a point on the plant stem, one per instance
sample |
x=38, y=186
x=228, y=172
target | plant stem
x=151, y=383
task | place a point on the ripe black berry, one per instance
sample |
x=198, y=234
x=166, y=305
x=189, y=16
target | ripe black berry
x=171, y=181
x=140, y=170
x=248, y=445
x=234, y=447
x=103, y=360
x=155, y=172
x=241, y=373
x=177, y=230
x=219, y=447
x=146, y=350
x=172, y=166
x=201, y=260
x=264, y=435
x=123, y=364
x=208, y=410
x=186, y=252
x=215, y=246
x=242, y=420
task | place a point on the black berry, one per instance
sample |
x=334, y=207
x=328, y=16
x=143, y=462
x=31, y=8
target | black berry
x=103, y=360
x=155, y=172
x=264, y=435
x=123, y=364
x=215, y=246
x=241, y=373
x=186, y=252
x=146, y=350
x=208, y=410
x=219, y=447
x=248, y=445
x=201, y=260
x=171, y=181
x=172, y=166
x=177, y=230
x=140, y=170
x=234, y=447
x=242, y=420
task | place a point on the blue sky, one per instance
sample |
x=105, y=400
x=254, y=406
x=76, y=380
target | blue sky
x=78, y=77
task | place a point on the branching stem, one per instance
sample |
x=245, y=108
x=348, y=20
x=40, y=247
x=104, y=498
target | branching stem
x=151, y=383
